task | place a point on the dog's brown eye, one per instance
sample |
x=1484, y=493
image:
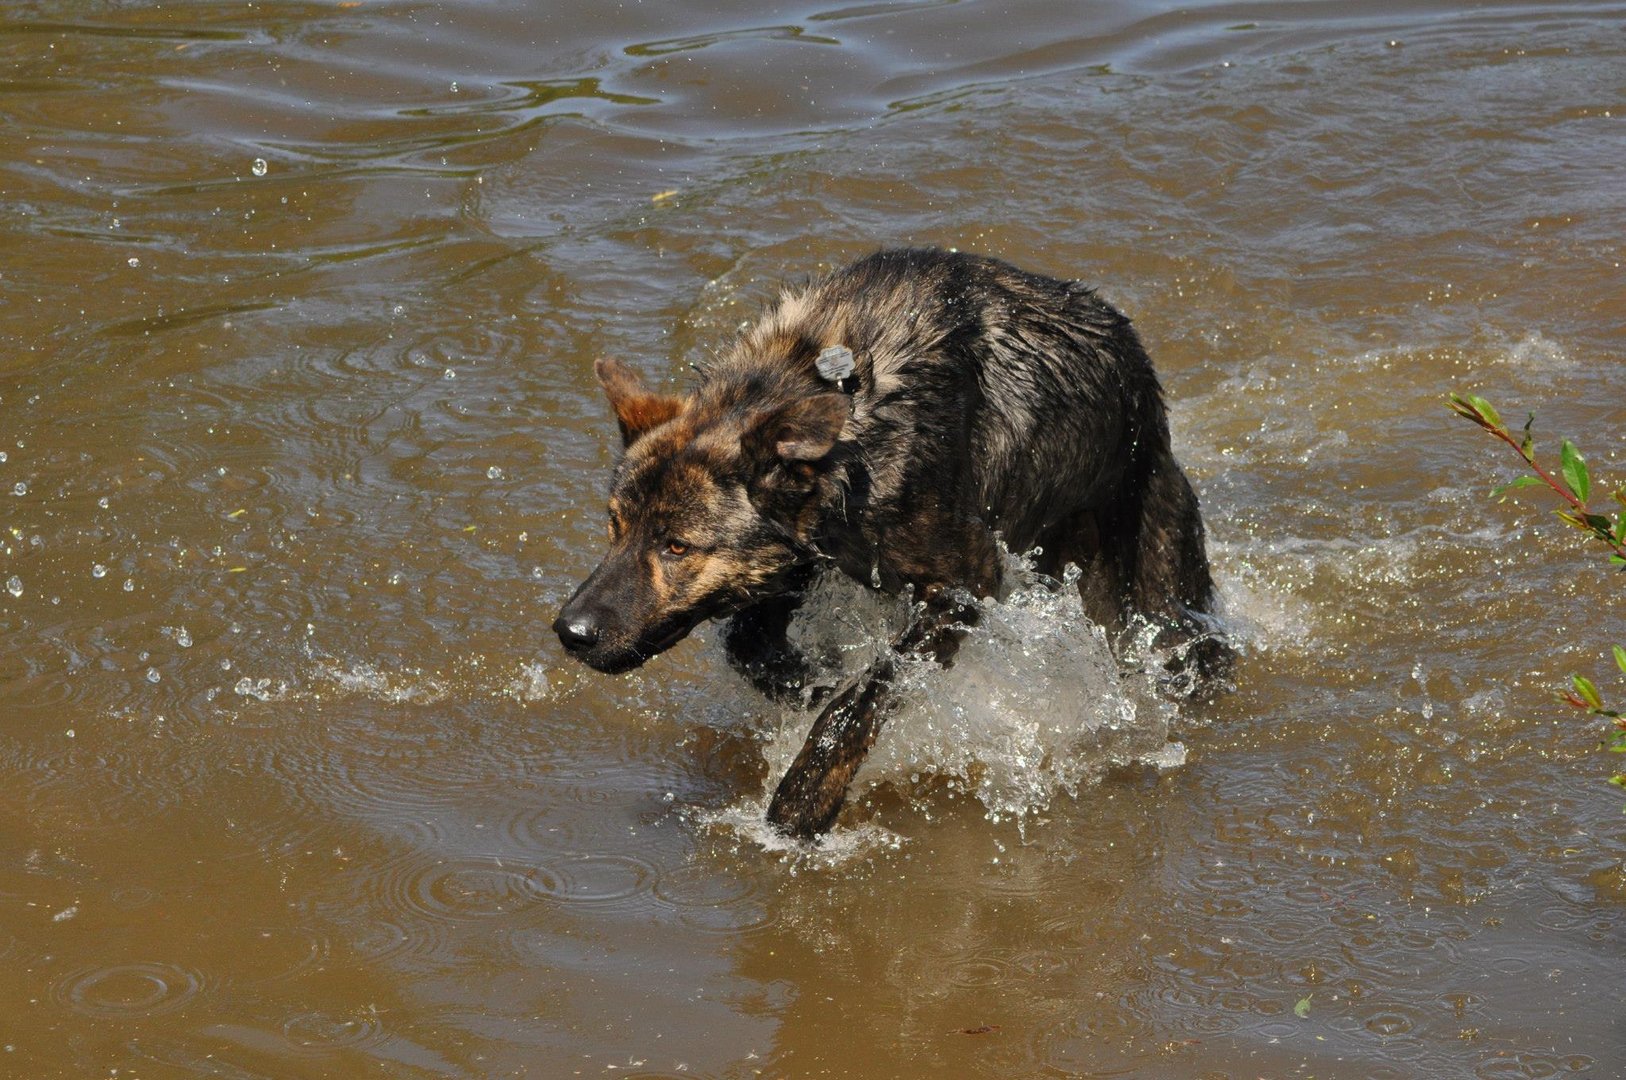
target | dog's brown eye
x=676, y=547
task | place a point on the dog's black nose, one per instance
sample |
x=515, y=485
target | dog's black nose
x=578, y=633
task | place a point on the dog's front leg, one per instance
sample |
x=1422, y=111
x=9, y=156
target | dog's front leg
x=759, y=648
x=813, y=789
x=758, y=645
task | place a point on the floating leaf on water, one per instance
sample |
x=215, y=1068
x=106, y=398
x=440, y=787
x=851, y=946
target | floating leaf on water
x=1302, y=1009
x=662, y=196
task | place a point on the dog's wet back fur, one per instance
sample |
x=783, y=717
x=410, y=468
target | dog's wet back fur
x=984, y=401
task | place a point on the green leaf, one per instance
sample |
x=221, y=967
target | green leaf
x=1528, y=446
x=1588, y=692
x=1476, y=409
x=1620, y=658
x=1485, y=409
x=1302, y=1008
x=1575, y=474
x=1515, y=483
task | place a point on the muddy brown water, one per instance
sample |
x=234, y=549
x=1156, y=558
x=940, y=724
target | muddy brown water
x=301, y=451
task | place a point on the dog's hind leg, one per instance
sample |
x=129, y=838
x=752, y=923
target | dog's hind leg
x=814, y=787
x=1171, y=583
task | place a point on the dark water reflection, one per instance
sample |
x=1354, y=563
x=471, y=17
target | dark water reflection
x=301, y=450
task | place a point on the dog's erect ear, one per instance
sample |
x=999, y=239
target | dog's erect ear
x=637, y=408
x=803, y=431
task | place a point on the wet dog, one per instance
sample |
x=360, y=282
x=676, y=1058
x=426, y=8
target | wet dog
x=891, y=421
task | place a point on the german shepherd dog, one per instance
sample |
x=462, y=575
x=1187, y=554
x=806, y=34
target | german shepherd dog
x=891, y=421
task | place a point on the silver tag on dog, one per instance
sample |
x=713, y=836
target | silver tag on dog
x=835, y=363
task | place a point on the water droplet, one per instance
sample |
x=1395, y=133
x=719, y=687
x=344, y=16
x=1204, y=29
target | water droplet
x=395, y=578
x=14, y=586
x=260, y=166
x=182, y=638
x=494, y=473
x=102, y=502
x=450, y=374
x=398, y=309
x=875, y=575
x=97, y=570
x=129, y=585
x=134, y=261
x=19, y=488
x=454, y=87
x=2, y=455
x=152, y=675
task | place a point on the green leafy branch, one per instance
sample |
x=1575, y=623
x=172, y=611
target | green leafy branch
x=1585, y=696
x=1574, y=486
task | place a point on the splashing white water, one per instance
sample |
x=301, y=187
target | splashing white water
x=1035, y=703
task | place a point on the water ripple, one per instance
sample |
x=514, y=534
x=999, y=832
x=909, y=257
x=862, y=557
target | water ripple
x=128, y=991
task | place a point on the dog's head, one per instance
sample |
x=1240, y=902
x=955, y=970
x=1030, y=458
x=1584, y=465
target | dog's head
x=712, y=507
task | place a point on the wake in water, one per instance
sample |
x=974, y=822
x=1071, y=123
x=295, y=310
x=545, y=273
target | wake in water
x=1036, y=703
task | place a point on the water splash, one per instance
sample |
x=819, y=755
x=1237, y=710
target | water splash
x=1036, y=703
x=748, y=821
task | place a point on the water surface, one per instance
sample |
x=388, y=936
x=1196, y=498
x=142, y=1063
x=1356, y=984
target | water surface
x=298, y=306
